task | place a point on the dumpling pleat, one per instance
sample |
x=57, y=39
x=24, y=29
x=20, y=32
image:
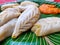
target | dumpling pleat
x=29, y=16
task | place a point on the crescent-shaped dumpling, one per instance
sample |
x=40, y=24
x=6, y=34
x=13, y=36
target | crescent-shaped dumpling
x=26, y=3
x=26, y=20
x=8, y=14
x=7, y=29
x=5, y=6
x=46, y=26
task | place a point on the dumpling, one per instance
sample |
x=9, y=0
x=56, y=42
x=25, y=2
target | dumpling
x=21, y=8
x=26, y=20
x=46, y=26
x=7, y=29
x=26, y=3
x=8, y=14
x=5, y=6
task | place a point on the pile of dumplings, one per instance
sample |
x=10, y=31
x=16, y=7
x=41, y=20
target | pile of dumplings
x=18, y=18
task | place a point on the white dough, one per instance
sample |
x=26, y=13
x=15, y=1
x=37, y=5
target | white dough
x=7, y=29
x=26, y=20
x=26, y=3
x=5, y=6
x=8, y=14
x=46, y=26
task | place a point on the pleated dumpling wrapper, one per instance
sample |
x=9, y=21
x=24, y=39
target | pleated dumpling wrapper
x=8, y=14
x=7, y=29
x=46, y=26
x=11, y=5
x=26, y=3
x=27, y=19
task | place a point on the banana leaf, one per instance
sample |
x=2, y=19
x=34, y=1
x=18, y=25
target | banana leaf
x=29, y=38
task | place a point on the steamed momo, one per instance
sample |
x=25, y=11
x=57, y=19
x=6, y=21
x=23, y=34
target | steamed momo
x=7, y=29
x=46, y=26
x=26, y=3
x=5, y=6
x=8, y=14
x=26, y=20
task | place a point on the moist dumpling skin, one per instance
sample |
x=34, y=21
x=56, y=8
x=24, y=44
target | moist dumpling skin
x=46, y=26
x=5, y=6
x=8, y=14
x=26, y=3
x=27, y=19
x=7, y=29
